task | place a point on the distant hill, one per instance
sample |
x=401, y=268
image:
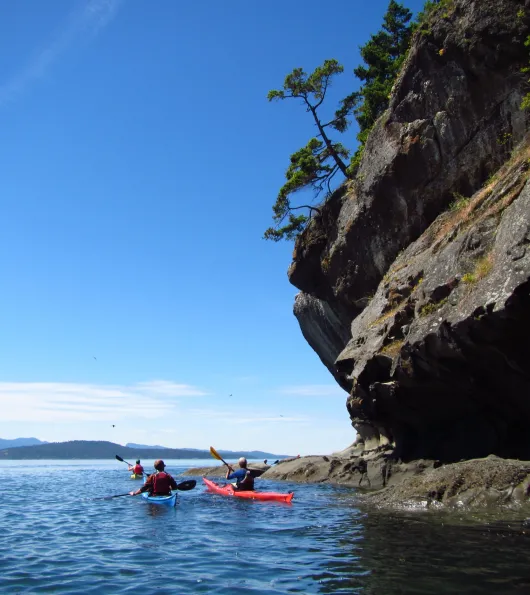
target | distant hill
x=134, y=445
x=20, y=442
x=92, y=449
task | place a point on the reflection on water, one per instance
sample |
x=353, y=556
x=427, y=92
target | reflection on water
x=423, y=553
x=56, y=538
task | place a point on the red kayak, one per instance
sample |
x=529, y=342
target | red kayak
x=228, y=490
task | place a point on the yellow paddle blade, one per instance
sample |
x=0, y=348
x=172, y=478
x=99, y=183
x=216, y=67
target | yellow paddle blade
x=215, y=454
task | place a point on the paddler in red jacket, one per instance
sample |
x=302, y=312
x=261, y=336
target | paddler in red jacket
x=137, y=469
x=159, y=483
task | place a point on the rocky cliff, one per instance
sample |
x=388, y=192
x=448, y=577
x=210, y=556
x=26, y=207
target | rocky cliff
x=415, y=277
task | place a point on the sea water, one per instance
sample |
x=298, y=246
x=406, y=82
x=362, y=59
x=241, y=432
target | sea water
x=55, y=537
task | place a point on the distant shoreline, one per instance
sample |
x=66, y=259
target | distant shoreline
x=94, y=449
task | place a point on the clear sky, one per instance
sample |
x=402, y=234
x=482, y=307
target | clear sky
x=139, y=162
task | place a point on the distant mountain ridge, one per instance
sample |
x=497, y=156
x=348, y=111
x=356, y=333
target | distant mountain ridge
x=134, y=445
x=97, y=449
x=15, y=442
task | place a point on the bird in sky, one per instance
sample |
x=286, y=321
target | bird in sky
x=113, y=426
x=95, y=357
x=229, y=395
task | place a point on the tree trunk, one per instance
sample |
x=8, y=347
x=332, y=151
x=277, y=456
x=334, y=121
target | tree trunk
x=340, y=163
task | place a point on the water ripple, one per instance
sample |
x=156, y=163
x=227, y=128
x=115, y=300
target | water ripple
x=56, y=538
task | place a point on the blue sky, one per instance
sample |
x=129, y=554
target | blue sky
x=140, y=159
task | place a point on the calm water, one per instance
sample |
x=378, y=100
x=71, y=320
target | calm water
x=55, y=539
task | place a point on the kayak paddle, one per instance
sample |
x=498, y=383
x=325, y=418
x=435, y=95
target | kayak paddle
x=124, y=461
x=183, y=486
x=217, y=456
x=109, y=497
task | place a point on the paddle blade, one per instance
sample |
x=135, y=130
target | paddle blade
x=120, y=459
x=186, y=485
x=256, y=472
x=215, y=454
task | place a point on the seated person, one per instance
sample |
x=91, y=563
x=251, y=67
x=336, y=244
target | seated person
x=137, y=469
x=243, y=477
x=159, y=483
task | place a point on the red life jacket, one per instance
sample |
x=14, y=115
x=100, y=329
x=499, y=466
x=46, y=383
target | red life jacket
x=161, y=483
x=138, y=470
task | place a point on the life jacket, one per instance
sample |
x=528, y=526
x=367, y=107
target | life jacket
x=138, y=470
x=161, y=484
x=247, y=483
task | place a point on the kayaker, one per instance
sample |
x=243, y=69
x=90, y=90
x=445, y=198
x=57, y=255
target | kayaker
x=243, y=477
x=159, y=483
x=137, y=469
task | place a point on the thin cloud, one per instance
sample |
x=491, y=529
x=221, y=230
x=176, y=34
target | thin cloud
x=59, y=402
x=236, y=417
x=93, y=17
x=170, y=389
x=97, y=14
x=313, y=390
x=270, y=419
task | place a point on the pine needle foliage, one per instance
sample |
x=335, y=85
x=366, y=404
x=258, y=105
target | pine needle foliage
x=383, y=56
x=316, y=164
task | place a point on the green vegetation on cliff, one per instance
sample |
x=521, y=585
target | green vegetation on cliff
x=525, y=104
x=383, y=55
x=315, y=165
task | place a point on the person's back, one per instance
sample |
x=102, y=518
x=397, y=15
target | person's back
x=161, y=483
x=244, y=478
x=247, y=483
x=138, y=469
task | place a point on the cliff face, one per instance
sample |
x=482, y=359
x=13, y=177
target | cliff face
x=415, y=278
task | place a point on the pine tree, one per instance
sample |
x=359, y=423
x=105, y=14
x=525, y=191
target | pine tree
x=315, y=165
x=383, y=56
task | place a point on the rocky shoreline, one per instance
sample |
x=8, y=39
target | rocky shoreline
x=422, y=484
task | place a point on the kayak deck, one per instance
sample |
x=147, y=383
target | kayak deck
x=228, y=490
x=134, y=476
x=171, y=499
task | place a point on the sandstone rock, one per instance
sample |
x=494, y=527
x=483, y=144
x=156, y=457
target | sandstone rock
x=440, y=135
x=435, y=392
x=470, y=484
x=415, y=278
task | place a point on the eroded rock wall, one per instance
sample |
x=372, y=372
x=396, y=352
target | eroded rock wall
x=445, y=382
x=439, y=359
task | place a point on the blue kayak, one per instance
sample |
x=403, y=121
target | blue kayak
x=172, y=499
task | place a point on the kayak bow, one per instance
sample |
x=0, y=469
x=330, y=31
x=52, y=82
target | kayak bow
x=228, y=490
